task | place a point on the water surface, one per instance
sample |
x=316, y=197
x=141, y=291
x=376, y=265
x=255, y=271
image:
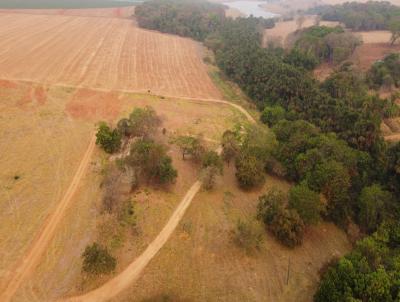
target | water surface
x=248, y=8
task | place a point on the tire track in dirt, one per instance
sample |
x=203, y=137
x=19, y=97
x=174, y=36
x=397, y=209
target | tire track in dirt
x=24, y=267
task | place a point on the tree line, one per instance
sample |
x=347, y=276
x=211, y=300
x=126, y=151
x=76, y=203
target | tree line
x=326, y=139
x=371, y=15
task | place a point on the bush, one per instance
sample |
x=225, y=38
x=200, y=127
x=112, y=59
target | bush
x=285, y=224
x=97, y=260
x=212, y=159
x=249, y=171
x=246, y=236
x=208, y=177
x=108, y=139
x=306, y=202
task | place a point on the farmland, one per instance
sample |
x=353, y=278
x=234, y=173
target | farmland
x=105, y=53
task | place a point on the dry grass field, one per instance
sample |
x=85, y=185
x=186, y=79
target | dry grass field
x=201, y=263
x=114, y=12
x=106, y=53
x=64, y=70
x=54, y=138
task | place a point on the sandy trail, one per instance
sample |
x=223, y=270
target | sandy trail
x=32, y=258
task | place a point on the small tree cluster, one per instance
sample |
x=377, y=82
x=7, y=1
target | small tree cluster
x=109, y=139
x=211, y=165
x=142, y=122
x=190, y=146
x=151, y=162
x=97, y=260
x=284, y=223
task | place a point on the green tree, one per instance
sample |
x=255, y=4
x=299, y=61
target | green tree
x=143, y=122
x=108, y=139
x=272, y=115
x=249, y=171
x=394, y=27
x=375, y=207
x=190, y=145
x=230, y=146
x=306, y=202
x=285, y=224
x=152, y=161
x=212, y=159
x=97, y=260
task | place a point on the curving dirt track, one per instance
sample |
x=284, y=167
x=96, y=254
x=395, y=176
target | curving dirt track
x=107, y=53
x=29, y=262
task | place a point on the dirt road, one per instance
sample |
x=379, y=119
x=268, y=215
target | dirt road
x=26, y=265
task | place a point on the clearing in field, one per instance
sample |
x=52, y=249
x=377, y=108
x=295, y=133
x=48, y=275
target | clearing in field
x=105, y=53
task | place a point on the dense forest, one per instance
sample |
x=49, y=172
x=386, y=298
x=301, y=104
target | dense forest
x=328, y=142
x=326, y=44
x=371, y=15
x=195, y=19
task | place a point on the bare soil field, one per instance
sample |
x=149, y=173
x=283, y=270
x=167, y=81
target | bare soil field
x=201, y=263
x=106, y=53
x=114, y=12
x=282, y=30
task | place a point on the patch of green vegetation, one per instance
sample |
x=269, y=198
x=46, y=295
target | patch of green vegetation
x=224, y=86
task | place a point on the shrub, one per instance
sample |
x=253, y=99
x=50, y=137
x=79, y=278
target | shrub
x=108, y=139
x=97, y=260
x=249, y=171
x=285, y=224
x=246, y=236
x=208, y=177
x=212, y=159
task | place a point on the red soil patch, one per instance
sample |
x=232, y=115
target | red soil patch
x=89, y=104
x=26, y=98
x=7, y=84
x=40, y=95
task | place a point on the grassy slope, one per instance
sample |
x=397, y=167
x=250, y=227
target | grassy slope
x=42, y=4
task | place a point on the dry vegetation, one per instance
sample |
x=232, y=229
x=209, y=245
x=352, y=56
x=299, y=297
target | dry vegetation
x=65, y=136
x=211, y=267
x=106, y=53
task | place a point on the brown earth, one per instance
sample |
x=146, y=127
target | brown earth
x=106, y=53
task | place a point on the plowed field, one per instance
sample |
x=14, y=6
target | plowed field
x=107, y=53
